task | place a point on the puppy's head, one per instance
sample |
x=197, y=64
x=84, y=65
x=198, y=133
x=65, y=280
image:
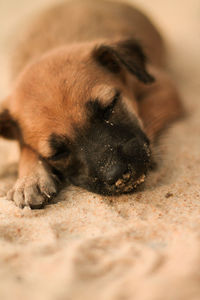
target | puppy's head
x=76, y=108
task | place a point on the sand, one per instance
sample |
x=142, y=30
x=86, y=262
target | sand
x=144, y=246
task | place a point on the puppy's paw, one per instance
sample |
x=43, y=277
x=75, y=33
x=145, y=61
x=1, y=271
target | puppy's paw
x=33, y=191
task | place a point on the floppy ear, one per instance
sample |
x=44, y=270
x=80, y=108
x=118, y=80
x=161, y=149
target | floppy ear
x=125, y=53
x=9, y=128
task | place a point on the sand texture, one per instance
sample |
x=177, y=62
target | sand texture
x=140, y=247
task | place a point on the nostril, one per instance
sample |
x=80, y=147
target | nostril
x=115, y=173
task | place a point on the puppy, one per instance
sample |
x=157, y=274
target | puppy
x=90, y=96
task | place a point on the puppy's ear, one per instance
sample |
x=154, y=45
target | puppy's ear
x=125, y=53
x=9, y=128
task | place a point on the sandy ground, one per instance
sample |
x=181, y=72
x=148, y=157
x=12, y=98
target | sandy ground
x=145, y=246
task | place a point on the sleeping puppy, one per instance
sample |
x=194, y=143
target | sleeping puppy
x=90, y=96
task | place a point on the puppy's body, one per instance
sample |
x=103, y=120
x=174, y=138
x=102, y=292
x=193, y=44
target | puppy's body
x=85, y=106
x=85, y=21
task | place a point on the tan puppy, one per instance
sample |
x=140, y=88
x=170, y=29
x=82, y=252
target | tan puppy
x=90, y=97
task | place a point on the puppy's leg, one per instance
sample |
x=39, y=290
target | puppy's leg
x=36, y=184
x=159, y=105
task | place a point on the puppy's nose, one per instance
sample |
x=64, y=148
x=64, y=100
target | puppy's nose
x=115, y=172
x=138, y=150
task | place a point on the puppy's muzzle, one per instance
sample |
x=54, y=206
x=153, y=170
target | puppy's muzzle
x=128, y=171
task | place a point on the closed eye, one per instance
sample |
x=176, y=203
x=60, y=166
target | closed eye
x=108, y=110
x=59, y=156
x=60, y=146
x=98, y=111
